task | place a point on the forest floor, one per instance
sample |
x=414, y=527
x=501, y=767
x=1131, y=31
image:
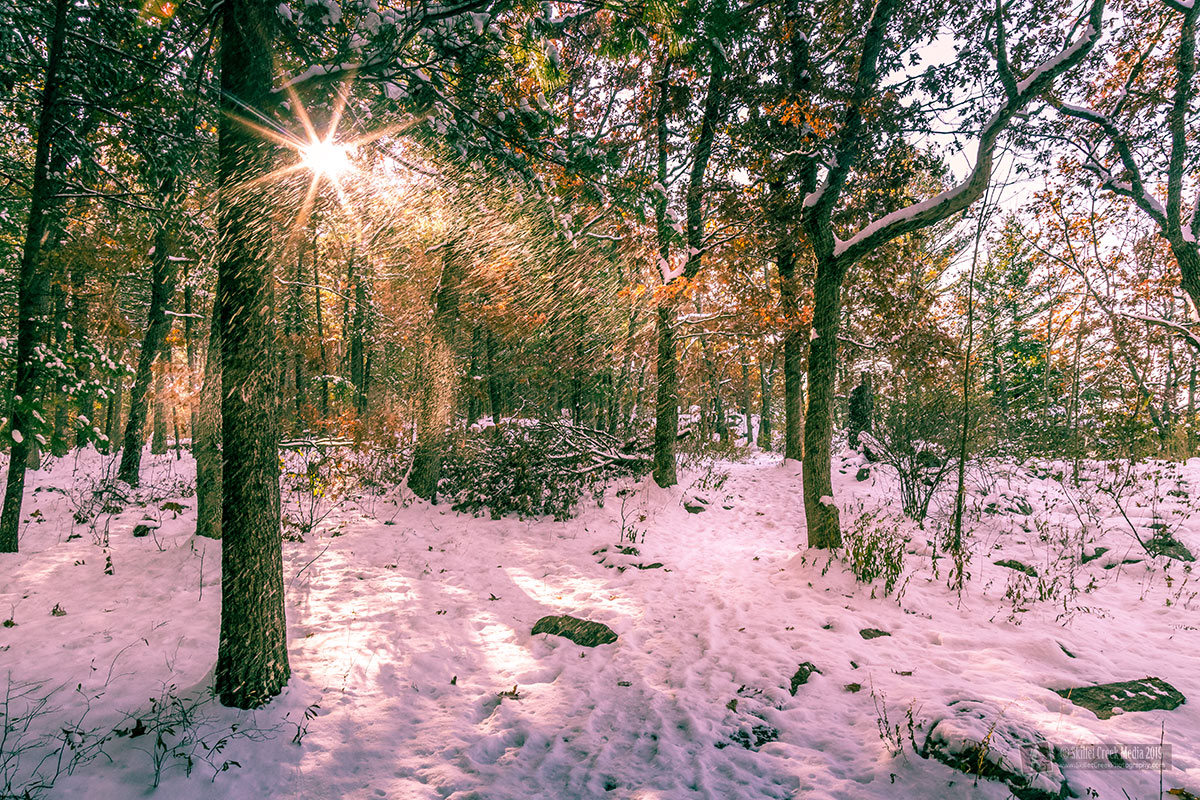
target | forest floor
x=415, y=673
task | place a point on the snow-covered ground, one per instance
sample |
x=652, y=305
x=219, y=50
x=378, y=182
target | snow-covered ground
x=415, y=674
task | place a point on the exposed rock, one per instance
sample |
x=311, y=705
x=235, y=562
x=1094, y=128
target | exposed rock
x=979, y=739
x=1012, y=563
x=853, y=687
x=872, y=633
x=1109, y=699
x=756, y=737
x=863, y=473
x=580, y=631
x=141, y=530
x=803, y=673
x=1164, y=544
x=1099, y=551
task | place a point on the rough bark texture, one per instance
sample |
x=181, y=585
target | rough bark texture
x=821, y=513
x=666, y=427
x=252, y=658
x=31, y=291
x=441, y=382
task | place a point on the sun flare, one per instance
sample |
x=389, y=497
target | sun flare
x=330, y=159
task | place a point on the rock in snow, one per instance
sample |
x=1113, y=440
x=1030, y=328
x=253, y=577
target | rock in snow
x=979, y=739
x=1109, y=699
x=580, y=631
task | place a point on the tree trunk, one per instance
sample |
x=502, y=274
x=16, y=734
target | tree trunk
x=766, y=380
x=296, y=323
x=495, y=386
x=747, y=397
x=793, y=355
x=158, y=441
x=31, y=291
x=323, y=353
x=666, y=408
x=441, y=381
x=85, y=428
x=206, y=438
x=820, y=511
x=358, y=344
x=252, y=657
x=112, y=419
x=189, y=344
x=158, y=325
x=61, y=440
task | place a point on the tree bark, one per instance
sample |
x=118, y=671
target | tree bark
x=31, y=290
x=158, y=441
x=820, y=510
x=766, y=380
x=441, y=380
x=158, y=325
x=252, y=657
x=206, y=444
x=666, y=408
x=793, y=354
x=85, y=401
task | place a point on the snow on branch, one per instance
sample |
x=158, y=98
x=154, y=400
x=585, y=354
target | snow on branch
x=1187, y=334
x=946, y=204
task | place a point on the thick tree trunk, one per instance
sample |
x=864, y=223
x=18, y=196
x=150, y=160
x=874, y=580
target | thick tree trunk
x=158, y=325
x=821, y=513
x=31, y=291
x=440, y=388
x=252, y=657
x=666, y=408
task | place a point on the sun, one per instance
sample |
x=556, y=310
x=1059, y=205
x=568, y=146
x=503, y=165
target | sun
x=327, y=158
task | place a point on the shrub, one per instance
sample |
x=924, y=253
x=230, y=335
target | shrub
x=532, y=470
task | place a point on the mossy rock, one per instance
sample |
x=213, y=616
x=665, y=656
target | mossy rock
x=872, y=633
x=1146, y=694
x=580, y=631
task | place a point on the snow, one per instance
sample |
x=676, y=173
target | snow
x=407, y=622
x=1085, y=40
